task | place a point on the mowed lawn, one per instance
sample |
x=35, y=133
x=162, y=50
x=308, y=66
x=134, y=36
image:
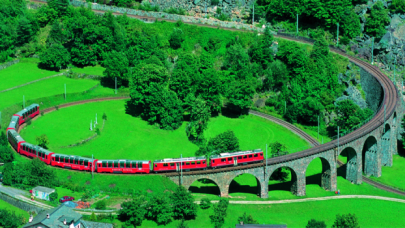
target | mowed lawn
x=45, y=88
x=91, y=70
x=25, y=71
x=128, y=137
x=18, y=211
x=368, y=212
x=395, y=175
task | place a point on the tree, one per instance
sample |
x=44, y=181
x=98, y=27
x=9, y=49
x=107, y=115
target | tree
x=159, y=209
x=350, y=114
x=24, y=31
x=176, y=38
x=199, y=116
x=236, y=58
x=183, y=204
x=55, y=57
x=279, y=174
x=315, y=224
x=346, y=221
x=378, y=20
x=240, y=96
x=42, y=141
x=350, y=24
x=209, y=89
x=133, y=212
x=247, y=219
x=93, y=217
x=59, y=6
x=10, y=220
x=205, y=203
x=56, y=35
x=276, y=147
x=40, y=174
x=398, y=6
x=3, y=139
x=224, y=142
x=53, y=196
x=101, y=205
x=218, y=218
x=116, y=64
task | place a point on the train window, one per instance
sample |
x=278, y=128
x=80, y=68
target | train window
x=76, y=161
x=110, y=164
x=86, y=163
x=115, y=164
x=229, y=159
x=122, y=164
x=187, y=163
x=182, y=163
x=261, y=154
x=139, y=165
x=171, y=164
x=155, y=165
x=203, y=162
x=198, y=162
x=244, y=156
x=104, y=164
x=134, y=165
x=193, y=163
x=256, y=155
x=223, y=160
x=213, y=161
x=165, y=165
x=81, y=161
x=71, y=160
x=250, y=155
x=240, y=157
x=56, y=158
x=128, y=165
x=62, y=159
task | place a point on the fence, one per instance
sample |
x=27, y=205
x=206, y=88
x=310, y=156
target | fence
x=8, y=64
x=20, y=204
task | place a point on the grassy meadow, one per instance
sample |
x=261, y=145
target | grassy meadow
x=130, y=137
x=393, y=176
x=18, y=211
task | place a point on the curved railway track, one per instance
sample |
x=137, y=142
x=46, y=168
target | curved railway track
x=389, y=101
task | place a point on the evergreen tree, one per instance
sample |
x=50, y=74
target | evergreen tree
x=378, y=20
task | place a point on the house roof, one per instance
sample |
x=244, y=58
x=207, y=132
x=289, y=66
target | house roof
x=43, y=189
x=56, y=217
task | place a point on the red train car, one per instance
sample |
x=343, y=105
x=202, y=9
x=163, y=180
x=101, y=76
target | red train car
x=170, y=164
x=34, y=151
x=28, y=112
x=234, y=159
x=15, y=139
x=13, y=123
x=74, y=162
x=124, y=166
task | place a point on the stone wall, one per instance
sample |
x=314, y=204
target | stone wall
x=373, y=90
x=20, y=204
x=7, y=64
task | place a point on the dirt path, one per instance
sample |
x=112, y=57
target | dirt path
x=315, y=199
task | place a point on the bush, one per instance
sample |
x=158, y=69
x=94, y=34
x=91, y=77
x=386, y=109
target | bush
x=98, y=131
x=104, y=116
x=101, y=205
x=205, y=203
x=28, y=121
x=53, y=196
x=10, y=219
x=56, y=107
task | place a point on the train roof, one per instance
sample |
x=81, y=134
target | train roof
x=221, y=155
x=20, y=113
x=13, y=122
x=16, y=135
x=35, y=147
x=74, y=156
x=181, y=159
x=124, y=160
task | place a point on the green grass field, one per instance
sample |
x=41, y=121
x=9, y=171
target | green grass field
x=18, y=211
x=25, y=71
x=45, y=88
x=368, y=212
x=393, y=176
x=125, y=136
x=91, y=70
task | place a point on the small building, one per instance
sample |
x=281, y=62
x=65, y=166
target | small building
x=62, y=217
x=42, y=192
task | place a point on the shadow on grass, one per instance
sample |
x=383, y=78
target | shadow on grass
x=400, y=148
x=214, y=190
x=236, y=187
x=132, y=109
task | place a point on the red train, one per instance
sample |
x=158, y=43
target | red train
x=28, y=112
x=120, y=166
x=124, y=166
x=187, y=164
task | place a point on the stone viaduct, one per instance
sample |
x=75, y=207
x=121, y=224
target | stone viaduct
x=367, y=150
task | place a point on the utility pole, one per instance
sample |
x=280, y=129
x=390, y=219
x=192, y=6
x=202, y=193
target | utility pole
x=23, y=101
x=115, y=85
x=266, y=157
x=337, y=36
x=65, y=92
x=92, y=168
x=253, y=15
x=338, y=141
x=372, y=50
x=297, y=24
x=181, y=169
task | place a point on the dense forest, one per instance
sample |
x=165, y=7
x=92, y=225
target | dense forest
x=177, y=72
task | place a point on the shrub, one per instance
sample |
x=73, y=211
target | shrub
x=104, y=116
x=205, y=203
x=56, y=107
x=98, y=131
x=28, y=121
x=214, y=2
x=53, y=196
x=101, y=205
x=42, y=113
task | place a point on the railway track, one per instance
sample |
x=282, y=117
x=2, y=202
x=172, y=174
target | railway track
x=389, y=102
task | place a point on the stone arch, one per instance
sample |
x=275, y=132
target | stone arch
x=370, y=162
x=326, y=174
x=386, y=155
x=294, y=181
x=245, y=188
x=350, y=169
x=208, y=188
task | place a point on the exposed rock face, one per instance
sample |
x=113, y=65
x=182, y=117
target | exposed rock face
x=238, y=10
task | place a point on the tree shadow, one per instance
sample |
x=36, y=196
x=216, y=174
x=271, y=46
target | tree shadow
x=235, y=187
x=214, y=190
x=132, y=109
x=341, y=171
x=314, y=179
x=229, y=112
x=400, y=148
x=281, y=186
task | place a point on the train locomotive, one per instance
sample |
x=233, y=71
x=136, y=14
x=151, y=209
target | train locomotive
x=121, y=166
